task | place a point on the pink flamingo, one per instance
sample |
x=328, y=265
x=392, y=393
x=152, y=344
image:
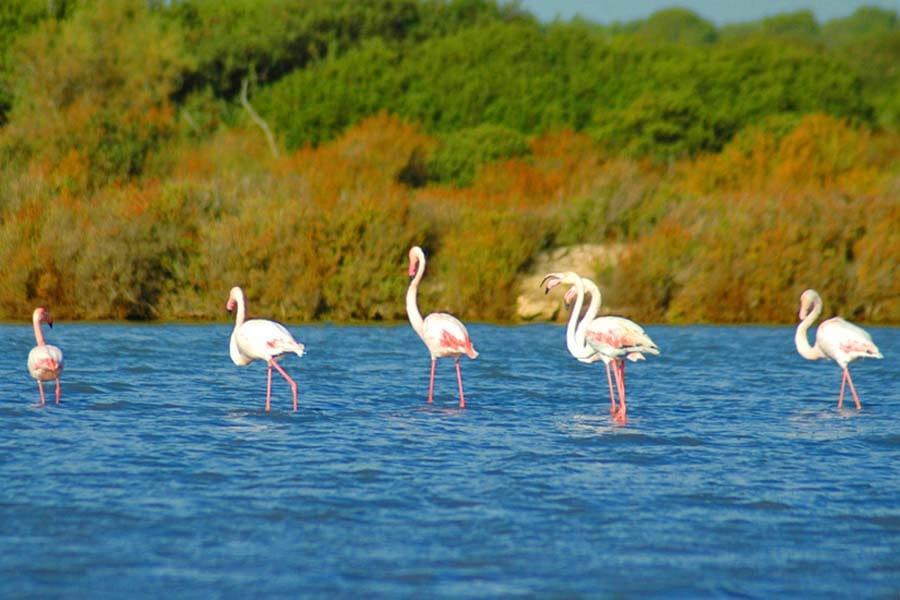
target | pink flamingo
x=837, y=339
x=260, y=339
x=617, y=338
x=443, y=334
x=608, y=338
x=45, y=361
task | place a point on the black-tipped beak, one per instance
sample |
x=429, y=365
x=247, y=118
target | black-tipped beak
x=547, y=286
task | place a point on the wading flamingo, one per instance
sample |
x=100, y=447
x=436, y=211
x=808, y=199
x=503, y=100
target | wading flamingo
x=837, y=339
x=45, y=362
x=260, y=339
x=608, y=338
x=443, y=334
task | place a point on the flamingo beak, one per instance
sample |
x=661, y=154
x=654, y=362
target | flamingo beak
x=549, y=282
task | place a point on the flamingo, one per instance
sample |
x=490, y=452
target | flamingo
x=444, y=335
x=608, y=338
x=260, y=339
x=45, y=361
x=836, y=339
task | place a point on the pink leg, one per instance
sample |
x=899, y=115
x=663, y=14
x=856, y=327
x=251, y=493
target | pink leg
x=843, y=385
x=290, y=381
x=431, y=382
x=462, y=398
x=58, y=391
x=41, y=390
x=612, y=397
x=853, y=389
x=269, y=389
x=623, y=407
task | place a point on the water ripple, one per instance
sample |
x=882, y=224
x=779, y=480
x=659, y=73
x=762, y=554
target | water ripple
x=162, y=471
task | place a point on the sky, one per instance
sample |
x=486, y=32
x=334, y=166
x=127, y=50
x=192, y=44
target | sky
x=717, y=11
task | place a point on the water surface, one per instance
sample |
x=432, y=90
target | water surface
x=161, y=472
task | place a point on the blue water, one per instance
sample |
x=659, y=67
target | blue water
x=161, y=474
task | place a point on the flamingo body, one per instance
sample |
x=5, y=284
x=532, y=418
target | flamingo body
x=443, y=334
x=261, y=339
x=618, y=337
x=836, y=339
x=843, y=342
x=45, y=361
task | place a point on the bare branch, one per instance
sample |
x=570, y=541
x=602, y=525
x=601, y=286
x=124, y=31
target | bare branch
x=257, y=119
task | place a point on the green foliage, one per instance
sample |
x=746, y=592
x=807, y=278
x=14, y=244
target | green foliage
x=699, y=103
x=313, y=105
x=668, y=123
x=267, y=39
x=457, y=157
x=864, y=23
x=645, y=98
x=673, y=25
x=94, y=90
x=870, y=41
x=17, y=19
x=798, y=26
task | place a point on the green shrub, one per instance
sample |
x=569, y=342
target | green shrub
x=457, y=158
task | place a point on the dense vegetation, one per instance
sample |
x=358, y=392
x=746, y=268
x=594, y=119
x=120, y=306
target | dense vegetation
x=737, y=165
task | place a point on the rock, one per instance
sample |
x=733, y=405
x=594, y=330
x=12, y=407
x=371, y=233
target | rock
x=586, y=259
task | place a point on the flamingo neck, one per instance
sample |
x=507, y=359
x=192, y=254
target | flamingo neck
x=578, y=351
x=38, y=334
x=800, y=336
x=593, y=308
x=240, y=314
x=412, y=305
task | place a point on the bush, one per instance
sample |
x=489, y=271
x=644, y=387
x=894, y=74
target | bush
x=458, y=156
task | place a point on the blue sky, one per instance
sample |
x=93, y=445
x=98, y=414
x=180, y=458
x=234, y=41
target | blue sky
x=717, y=11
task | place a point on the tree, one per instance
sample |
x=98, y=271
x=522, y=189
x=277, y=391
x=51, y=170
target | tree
x=95, y=91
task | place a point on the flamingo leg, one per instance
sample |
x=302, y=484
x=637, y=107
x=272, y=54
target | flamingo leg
x=620, y=380
x=843, y=385
x=290, y=381
x=269, y=388
x=431, y=381
x=462, y=398
x=41, y=390
x=612, y=398
x=853, y=389
x=58, y=391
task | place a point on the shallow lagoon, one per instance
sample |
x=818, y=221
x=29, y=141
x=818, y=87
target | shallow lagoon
x=735, y=475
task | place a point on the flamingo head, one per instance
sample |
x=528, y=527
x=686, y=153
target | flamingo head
x=808, y=300
x=416, y=260
x=551, y=280
x=42, y=315
x=234, y=297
